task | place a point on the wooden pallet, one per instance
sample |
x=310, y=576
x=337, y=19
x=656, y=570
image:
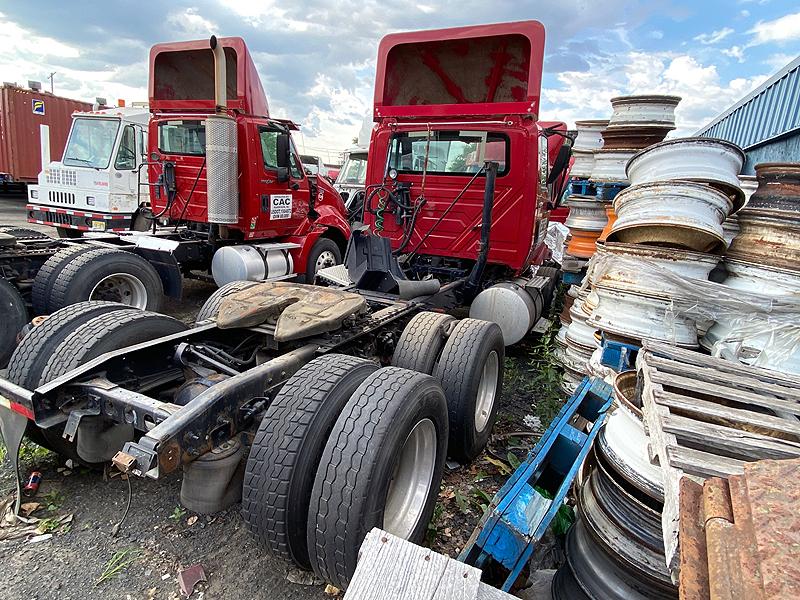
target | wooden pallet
x=390, y=568
x=708, y=417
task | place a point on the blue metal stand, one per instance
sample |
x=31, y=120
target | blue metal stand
x=618, y=355
x=581, y=187
x=607, y=191
x=519, y=514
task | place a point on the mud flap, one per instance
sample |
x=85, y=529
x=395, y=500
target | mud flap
x=12, y=427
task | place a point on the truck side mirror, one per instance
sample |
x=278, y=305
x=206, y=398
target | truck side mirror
x=283, y=156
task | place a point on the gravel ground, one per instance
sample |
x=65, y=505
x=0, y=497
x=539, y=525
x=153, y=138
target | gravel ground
x=160, y=538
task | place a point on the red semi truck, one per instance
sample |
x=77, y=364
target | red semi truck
x=22, y=111
x=345, y=400
x=229, y=199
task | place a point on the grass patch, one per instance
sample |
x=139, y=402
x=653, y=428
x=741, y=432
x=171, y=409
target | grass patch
x=120, y=561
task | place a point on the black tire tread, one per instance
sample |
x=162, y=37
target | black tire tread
x=82, y=341
x=212, y=304
x=278, y=444
x=421, y=342
x=340, y=491
x=64, y=281
x=21, y=366
x=45, y=278
x=454, y=370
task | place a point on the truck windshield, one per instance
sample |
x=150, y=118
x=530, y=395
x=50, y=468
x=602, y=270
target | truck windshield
x=91, y=142
x=448, y=152
x=354, y=170
x=182, y=137
x=310, y=163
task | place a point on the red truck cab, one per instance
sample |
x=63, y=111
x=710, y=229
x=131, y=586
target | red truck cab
x=446, y=102
x=265, y=194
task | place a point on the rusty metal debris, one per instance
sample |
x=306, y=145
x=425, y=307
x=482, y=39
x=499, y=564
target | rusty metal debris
x=189, y=577
x=730, y=546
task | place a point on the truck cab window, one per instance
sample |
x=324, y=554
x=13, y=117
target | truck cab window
x=126, y=154
x=448, y=152
x=91, y=143
x=182, y=137
x=269, y=148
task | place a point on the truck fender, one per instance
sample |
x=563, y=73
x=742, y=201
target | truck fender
x=167, y=267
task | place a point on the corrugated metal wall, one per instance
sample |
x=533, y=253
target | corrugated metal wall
x=19, y=129
x=771, y=111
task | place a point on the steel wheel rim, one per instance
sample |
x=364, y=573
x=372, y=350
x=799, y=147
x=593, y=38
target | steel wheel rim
x=411, y=481
x=122, y=288
x=487, y=390
x=326, y=259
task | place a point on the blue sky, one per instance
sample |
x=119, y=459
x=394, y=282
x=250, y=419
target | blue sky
x=317, y=57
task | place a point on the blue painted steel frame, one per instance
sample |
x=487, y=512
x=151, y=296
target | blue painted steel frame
x=519, y=515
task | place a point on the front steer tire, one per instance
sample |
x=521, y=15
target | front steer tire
x=364, y=449
x=472, y=357
x=288, y=447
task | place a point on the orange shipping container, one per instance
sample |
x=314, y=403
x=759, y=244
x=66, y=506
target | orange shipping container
x=21, y=112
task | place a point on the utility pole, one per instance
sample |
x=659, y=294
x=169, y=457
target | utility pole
x=50, y=77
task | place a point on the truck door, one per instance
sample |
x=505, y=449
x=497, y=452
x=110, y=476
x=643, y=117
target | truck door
x=126, y=176
x=283, y=204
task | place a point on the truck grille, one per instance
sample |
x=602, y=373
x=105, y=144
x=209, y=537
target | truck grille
x=61, y=197
x=58, y=218
x=62, y=177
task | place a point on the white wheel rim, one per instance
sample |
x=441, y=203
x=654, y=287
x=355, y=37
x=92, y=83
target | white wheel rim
x=326, y=259
x=411, y=482
x=487, y=391
x=123, y=288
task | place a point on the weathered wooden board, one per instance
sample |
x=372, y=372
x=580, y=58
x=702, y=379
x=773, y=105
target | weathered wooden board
x=390, y=568
x=707, y=417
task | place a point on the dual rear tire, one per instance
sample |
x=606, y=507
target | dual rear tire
x=346, y=446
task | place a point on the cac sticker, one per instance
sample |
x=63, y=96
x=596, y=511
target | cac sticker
x=280, y=206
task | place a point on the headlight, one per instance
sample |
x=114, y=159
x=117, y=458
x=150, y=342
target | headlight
x=35, y=194
x=90, y=200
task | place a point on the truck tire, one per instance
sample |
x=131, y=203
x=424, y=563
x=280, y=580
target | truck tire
x=13, y=316
x=31, y=356
x=421, y=342
x=211, y=306
x=390, y=441
x=471, y=372
x=105, y=333
x=288, y=447
x=46, y=277
x=108, y=274
x=324, y=253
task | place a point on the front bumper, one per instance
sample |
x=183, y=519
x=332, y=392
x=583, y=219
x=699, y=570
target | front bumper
x=77, y=219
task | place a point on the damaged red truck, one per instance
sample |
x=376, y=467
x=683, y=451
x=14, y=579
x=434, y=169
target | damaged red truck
x=346, y=399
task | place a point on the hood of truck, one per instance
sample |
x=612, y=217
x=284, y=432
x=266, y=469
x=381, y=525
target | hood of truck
x=85, y=188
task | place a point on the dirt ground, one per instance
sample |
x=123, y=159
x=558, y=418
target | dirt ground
x=158, y=537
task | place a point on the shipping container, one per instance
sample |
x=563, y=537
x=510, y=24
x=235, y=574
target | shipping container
x=21, y=112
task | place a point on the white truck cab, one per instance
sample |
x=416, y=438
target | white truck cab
x=352, y=177
x=100, y=184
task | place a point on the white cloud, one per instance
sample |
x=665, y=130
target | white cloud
x=714, y=36
x=656, y=34
x=782, y=29
x=703, y=91
x=744, y=13
x=736, y=52
x=191, y=22
x=778, y=61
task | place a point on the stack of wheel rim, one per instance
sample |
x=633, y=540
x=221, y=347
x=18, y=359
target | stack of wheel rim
x=636, y=122
x=575, y=341
x=764, y=259
x=615, y=550
x=586, y=216
x=668, y=229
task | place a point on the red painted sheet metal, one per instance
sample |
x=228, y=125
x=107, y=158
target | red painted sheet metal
x=192, y=64
x=20, y=153
x=478, y=70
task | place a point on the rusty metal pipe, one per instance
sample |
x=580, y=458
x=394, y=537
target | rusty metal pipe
x=220, y=75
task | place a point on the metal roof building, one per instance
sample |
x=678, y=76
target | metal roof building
x=766, y=122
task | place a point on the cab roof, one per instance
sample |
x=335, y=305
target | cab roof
x=471, y=71
x=182, y=77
